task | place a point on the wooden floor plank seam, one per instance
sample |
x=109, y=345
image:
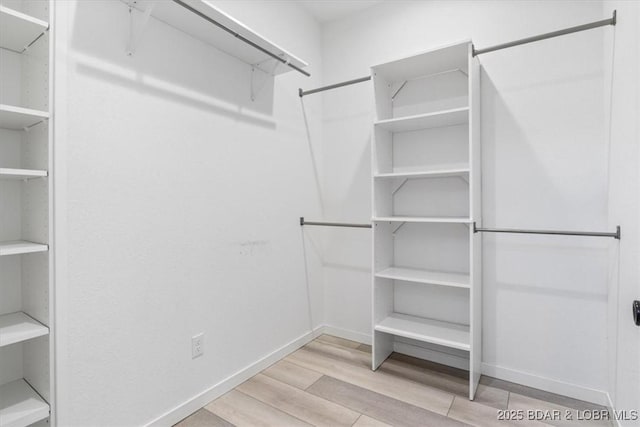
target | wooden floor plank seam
x=276, y=409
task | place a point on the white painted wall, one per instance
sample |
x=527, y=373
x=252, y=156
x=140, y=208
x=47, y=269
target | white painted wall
x=622, y=50
x=545, y=151
x=177, y=209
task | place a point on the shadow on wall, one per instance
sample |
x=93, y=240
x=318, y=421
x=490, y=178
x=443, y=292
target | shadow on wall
x=543, y=167
x=167, y=64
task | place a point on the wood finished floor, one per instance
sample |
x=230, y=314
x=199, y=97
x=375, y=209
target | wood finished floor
x=329, y=382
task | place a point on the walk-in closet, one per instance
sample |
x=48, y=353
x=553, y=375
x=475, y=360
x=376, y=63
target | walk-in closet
x=286, y=213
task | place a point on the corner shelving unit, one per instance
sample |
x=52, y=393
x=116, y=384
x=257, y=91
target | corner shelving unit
x=26, y=285
x=426, y=195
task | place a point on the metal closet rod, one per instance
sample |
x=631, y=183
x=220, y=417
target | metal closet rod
x=333, y=224
x=596, y=24
x=615, y=235
x=240, y=37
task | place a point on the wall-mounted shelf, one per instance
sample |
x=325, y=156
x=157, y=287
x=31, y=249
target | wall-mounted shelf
x=205, y=22
x=452, y=220
x=19, y=247
x=456, y=116
x=20, y=405
x=414, y=275
x=18, y=118
x=17, y=30
x=17, y=174
x=439, y=172
x=431, y=331
x=18, y=327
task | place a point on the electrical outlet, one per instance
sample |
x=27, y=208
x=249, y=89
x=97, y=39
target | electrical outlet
x=197, y=345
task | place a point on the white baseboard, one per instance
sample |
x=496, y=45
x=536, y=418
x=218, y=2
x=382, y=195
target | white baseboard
x=192, y=405
x=347, y=334
x=598, y=397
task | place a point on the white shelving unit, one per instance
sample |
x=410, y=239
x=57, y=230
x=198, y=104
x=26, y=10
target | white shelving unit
x=26, y=284
x=426, y=195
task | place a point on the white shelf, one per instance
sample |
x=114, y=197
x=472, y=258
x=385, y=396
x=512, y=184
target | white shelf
x=198, y=27
x=17, y=30
x=6, y=173
x=453, y=220
x=441, y=278
x=18, y=118
x=454, y=170
x=426, y=330
x=442, y=58
x=18, y=247
x=20, y=405
x=456, y=116
x=18, y=327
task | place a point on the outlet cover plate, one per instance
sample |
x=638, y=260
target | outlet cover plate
x=197, y=345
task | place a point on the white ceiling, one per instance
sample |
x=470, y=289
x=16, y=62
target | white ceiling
x=330, y=10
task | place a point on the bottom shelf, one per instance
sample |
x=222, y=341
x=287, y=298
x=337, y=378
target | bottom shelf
x=20, y=405
x=447, y=334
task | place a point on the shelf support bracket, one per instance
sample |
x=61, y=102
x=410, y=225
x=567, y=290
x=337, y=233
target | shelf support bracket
x=393, y=193
x=398, y=228
x=28, y=128
x=135, y=36
x=260, y=76
x=393, y=97
x=465, y=178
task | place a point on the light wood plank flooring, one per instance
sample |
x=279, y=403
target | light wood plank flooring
x=329, y=382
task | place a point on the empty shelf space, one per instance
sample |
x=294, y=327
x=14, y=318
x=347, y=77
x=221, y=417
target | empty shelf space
x=17, y=30
x=456, y=116
x=434, y=172
x=7, y=173
x=20, y=405
x=426, y=330
x=18, y=118
x=425, y=276
x=18, y=327
x=18, y=247
x=452, y=220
